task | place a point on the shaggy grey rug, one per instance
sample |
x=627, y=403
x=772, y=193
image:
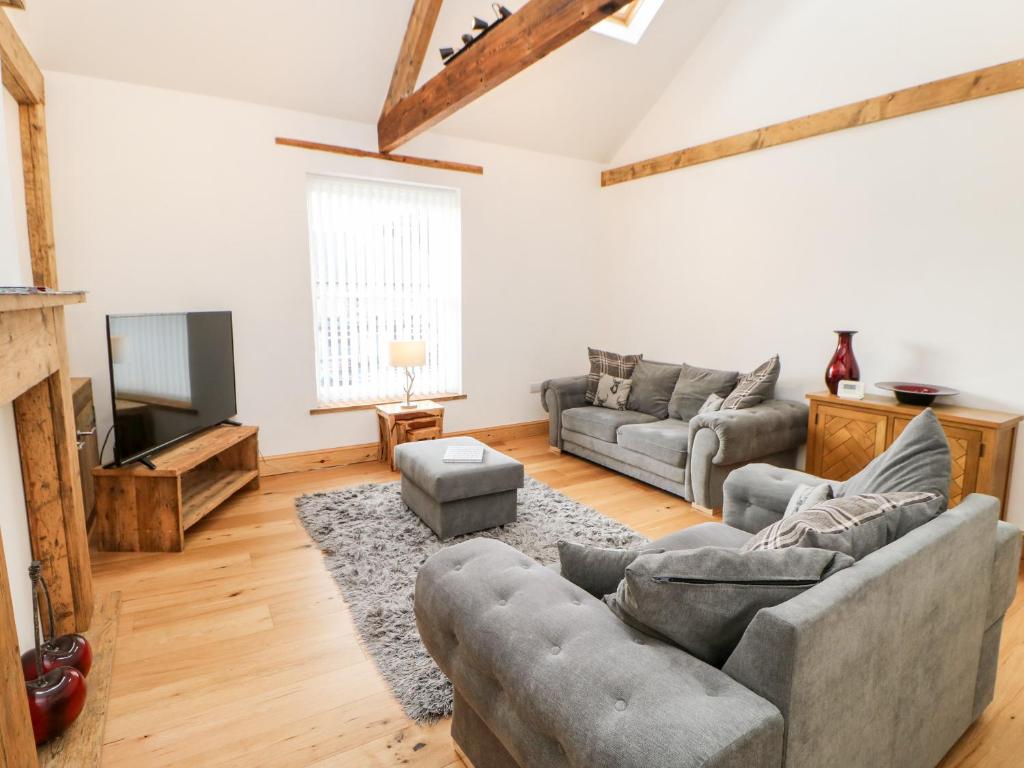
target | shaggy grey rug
x=374, y=546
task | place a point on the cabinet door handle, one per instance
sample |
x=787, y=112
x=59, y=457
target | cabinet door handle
x=80, y=434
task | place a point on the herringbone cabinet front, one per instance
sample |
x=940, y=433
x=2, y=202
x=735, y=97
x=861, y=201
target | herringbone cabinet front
x=843, y=436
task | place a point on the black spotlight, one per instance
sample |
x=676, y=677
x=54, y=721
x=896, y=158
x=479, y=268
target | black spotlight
x=501, y=11
x=468, y=39
x=479, y=23
x=447, y=53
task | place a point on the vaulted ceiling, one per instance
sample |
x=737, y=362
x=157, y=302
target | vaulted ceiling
x=335, y=57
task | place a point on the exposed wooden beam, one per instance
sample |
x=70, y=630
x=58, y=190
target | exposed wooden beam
x=444, y=165
x=21, y=76
x=414, y=50
x=534, y=31
x=14, y=3
x=35, y=163
x=989, y=81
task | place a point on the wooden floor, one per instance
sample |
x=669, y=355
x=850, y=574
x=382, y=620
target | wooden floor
x=240, y=651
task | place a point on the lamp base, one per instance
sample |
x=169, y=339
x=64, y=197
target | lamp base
x=410, y=406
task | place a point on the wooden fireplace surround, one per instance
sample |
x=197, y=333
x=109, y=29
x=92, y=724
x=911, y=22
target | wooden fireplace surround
x=34, y=377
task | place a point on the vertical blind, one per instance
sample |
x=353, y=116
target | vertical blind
x=386, y=266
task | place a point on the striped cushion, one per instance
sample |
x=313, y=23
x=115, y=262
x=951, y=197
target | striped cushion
x=856, y=525
x=755, y=387
x=619, y=366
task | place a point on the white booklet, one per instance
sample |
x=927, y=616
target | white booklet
x=464, y=454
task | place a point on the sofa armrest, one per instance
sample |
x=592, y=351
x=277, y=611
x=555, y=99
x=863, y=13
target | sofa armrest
x=748, y=434
x=558, y=395
x=1005, y=570
x=755, y=496
x=560, y=681
x=723, y=441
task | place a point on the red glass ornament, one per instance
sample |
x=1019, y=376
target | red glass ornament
x=843, y=365
x=64, y=651
x=55, y=701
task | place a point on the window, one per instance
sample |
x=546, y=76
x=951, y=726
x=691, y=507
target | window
x=386, y=266
x=629, y=23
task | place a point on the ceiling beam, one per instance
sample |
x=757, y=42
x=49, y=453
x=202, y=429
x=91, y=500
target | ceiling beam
x=530, y=34
x=21, y=76
x=444, y=165
x=414, y=50
x=978, y=84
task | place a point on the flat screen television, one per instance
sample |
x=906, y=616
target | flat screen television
x=171, y=375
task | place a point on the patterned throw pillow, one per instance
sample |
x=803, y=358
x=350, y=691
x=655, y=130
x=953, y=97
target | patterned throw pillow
x=612, y=393
x=619, y=366
x=806, y=496
x=712, y=404
x=856, y=525
x=755, y=387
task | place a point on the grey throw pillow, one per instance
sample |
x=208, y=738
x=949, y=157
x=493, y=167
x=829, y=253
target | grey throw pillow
x=806, y=496
x=596, y=569
x=652, y=387
x=917, y=460
x=712, y=404
x=693, y=388
x=856, y=525
x=612, y=393
x=619, y=366
x=754, y=387
x=703, y=599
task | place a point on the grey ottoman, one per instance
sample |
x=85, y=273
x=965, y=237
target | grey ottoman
x=454, y=499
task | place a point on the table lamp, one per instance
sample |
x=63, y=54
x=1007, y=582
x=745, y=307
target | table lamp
x=408, y=355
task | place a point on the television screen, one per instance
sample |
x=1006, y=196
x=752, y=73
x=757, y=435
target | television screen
x=171, y=375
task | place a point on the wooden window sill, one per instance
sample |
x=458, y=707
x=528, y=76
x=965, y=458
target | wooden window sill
x=369, y=405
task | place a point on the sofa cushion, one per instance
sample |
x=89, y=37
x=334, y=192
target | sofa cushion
x=693, y=388
x=597, y=569
x=601, y=423
x=612, y=392
x=652, y=387
x=703, y=535
x=856, y=525
x=754, y=387
x=619, y=366
x=917, y=460
x=703, y=599
x=664, y=440
x=807, y=495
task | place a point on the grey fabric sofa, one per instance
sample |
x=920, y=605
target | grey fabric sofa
x=883, y=665
x=691, y=458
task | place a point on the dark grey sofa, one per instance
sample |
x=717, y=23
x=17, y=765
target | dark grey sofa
x=688, y=458
x=883, y=665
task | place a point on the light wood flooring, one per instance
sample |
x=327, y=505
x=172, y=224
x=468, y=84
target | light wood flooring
x=240, y=651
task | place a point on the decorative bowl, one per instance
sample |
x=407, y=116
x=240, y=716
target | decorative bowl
x=916, y=394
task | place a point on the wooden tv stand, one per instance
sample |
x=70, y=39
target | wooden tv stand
x=148, y=510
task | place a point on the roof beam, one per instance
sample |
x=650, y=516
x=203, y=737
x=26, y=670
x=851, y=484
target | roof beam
x=21, y=76
x=978, y=84
x=530, y=34
x=414, y=50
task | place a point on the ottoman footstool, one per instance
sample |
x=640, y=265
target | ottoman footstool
x=455, y=499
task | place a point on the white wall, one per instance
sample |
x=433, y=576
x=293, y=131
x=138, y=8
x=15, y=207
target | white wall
x=909, y=230
x=15, y=269
x=165, y=201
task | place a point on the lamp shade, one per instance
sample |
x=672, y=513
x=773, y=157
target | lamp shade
x=407, y=354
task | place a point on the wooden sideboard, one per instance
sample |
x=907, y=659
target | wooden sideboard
x=844, y=435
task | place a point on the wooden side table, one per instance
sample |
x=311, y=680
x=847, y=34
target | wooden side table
x=399, y=425
x=844, y=435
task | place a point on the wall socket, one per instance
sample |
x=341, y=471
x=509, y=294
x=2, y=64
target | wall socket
x=535, y=388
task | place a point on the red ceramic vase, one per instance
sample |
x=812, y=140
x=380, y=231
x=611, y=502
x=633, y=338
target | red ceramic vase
x=55, y=701
x=843, y=365
x=64, y=651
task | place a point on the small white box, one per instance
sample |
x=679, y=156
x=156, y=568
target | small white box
x=850, y=390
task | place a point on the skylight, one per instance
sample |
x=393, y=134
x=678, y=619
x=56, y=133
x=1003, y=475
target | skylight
x=629, y=23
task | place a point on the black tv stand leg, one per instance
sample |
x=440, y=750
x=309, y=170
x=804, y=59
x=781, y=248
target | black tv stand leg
x=232, y=423
x=147, y=462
